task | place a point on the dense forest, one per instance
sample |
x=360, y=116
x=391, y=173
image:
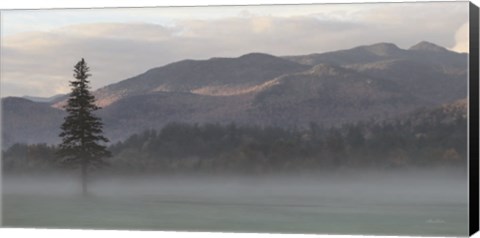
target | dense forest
x=423, y=139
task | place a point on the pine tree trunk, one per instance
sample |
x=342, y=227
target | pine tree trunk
x=84, y=178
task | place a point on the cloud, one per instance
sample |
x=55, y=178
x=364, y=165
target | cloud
x=262, y=24
x=39, y=63
x=462, y=39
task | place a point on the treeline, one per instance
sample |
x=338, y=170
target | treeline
x=430, y=139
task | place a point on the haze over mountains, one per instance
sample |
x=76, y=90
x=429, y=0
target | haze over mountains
x=367, y=82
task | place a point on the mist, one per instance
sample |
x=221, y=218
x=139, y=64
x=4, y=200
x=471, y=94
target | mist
x=408, y=202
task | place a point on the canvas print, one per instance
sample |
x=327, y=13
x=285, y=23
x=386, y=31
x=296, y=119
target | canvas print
x=305, y=119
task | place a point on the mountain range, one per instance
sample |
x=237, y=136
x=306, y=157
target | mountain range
x=376, y=82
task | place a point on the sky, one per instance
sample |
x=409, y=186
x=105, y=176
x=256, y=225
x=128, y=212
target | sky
x=40, y=47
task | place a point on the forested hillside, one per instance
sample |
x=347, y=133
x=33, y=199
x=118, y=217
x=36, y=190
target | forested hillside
x=425, y=138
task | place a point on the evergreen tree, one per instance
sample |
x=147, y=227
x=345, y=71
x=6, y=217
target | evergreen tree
x=82, y=132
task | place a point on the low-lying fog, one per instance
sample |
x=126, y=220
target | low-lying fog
x=345, y=202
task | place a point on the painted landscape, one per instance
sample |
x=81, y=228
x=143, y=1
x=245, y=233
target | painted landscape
x=365, y=139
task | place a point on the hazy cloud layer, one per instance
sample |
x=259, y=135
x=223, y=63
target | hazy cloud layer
x=39, y=63
x=462, y=38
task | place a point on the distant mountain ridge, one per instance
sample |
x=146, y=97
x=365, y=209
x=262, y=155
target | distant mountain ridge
x=216, y=76
x=421, y=52
x=427, y=46
x=51, y=99
x=366, y=82
x=27, y=121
